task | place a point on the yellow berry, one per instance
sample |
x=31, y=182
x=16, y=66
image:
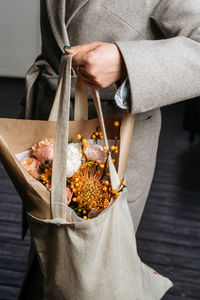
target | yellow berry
x=74, y=199
x=76, y=184
x=84, y=141
x=84, y=217
x=96, y=133
x=101, y=137
x=113, y=160
x=114, y=191
x=101, y=166
x=74, y=190
x=85, y=145
x=112, y=147
x=78, y=136
x=79, y=210
x=116, y=123
x=93, y=136
x=80, y=150
x=104, y=188
x=84, y=212
x=123, y=183
x=100, y=133
x=106, y=182
x=116, y=151
x=108, y=174
x=83, y=157
x=116, y=195
x=105, y=148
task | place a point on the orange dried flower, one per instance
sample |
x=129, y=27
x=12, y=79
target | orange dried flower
x=46, y=176
x=91, y=192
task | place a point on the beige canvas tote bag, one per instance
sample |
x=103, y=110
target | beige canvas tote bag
x=81, y=260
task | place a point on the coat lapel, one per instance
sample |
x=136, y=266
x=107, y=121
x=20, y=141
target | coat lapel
x=60, y=14
x=72, y=7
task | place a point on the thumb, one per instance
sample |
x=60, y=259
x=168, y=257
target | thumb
x=81, y=48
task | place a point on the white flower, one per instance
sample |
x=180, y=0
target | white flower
x=73, y=159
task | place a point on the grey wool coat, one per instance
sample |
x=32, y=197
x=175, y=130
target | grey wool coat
x=160, y=43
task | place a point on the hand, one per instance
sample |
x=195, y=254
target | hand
x=98, y=64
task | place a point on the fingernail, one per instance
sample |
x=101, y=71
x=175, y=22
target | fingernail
x=67, y=47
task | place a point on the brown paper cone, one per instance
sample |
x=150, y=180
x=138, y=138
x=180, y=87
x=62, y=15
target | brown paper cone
x=20, y=135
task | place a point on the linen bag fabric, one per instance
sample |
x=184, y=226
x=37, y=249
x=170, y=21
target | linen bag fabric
x=19, y=135
x=95, y=259
x=79, y=259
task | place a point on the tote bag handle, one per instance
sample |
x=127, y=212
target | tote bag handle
x=60, y=112
x=81, y=113
x=81, y=98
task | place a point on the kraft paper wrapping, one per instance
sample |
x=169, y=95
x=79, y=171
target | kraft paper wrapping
x=17, y=136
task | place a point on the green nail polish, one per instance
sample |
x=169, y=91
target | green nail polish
x=67, y=47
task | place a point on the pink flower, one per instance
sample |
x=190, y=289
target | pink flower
x=95, y=152
x=31, y=165
x=44, y=150
x=68, y=195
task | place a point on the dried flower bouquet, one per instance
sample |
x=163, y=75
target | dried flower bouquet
x=88, y=185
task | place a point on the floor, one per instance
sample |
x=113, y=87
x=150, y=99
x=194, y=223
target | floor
x=168, y=238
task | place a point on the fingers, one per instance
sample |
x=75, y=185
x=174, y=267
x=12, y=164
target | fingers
x=85, y=64
x=82, y=71
x=83, y=76
x=81, y=52
x=84, y=58
x=79, y=59
x=90, y=82
x=82, y=48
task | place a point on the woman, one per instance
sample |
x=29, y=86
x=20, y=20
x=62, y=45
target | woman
x=155, y=44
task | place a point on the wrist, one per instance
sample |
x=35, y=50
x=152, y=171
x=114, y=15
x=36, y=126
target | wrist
x=123, y=71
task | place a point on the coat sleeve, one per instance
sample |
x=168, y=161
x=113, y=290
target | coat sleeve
x=166, y=71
